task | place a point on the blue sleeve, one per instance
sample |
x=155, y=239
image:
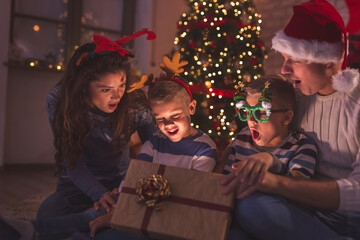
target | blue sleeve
x=85, y=180
x=146, y=152
x=231, y=158
x=145, y=125
x=51, y=104
x=302, y=163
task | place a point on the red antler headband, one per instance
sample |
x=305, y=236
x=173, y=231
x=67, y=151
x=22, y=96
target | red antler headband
x=178, y=81
x=104, y=45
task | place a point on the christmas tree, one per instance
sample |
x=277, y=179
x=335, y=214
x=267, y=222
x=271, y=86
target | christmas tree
x=220, y=40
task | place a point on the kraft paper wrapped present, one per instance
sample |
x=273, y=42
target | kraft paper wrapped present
x=196, y=209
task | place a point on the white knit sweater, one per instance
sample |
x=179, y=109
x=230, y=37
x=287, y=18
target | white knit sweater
x=333, y=122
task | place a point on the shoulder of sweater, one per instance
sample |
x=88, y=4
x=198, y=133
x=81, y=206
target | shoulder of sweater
x=203, y=137
x=354, y=95
x=53, y=94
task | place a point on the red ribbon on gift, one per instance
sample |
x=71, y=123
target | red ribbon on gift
x=186, y=201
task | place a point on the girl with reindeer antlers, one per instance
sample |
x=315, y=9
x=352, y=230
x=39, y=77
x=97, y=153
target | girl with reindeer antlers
x=93, y=112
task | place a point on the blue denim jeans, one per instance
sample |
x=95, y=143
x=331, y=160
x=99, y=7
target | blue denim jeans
x=65, y=226
x=68, y=199
x=61, y=227
x=264, y=216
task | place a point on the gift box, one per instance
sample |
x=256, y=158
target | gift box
x=195, y=209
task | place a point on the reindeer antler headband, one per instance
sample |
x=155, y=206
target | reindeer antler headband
x=104, y=45
x=171, y=68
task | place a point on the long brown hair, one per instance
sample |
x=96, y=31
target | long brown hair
x=72, y=121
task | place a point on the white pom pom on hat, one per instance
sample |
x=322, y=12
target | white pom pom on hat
x=316, y=33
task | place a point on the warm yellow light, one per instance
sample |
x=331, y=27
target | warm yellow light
x=32, y=64
x=58, y=67
x=208, y=84
x=36, y=28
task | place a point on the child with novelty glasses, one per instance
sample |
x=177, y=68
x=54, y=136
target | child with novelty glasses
x=268, y=143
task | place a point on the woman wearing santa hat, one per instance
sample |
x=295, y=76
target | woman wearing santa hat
x=314, y=46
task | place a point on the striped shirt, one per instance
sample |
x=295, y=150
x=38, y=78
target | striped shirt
x=294, y=156
x=197, y=152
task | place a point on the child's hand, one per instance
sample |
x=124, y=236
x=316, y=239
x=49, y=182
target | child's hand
x=107, y=200
x=100, y=222
x=248, y=175
x=252, y=170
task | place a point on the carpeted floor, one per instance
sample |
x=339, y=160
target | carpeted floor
x=25, y=209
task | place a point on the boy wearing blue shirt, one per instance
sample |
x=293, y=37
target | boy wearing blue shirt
x=176, y=143
x=268, y=106
x=268, y=143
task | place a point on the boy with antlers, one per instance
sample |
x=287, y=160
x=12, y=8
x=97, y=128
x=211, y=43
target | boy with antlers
x=176, y=143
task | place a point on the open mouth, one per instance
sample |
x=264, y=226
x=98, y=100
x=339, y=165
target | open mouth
x=173, y=132
x=255, y=134
x=297, y=83
x=113, y=106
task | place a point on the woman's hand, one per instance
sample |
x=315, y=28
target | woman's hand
x=107, y=200
x=100, y=222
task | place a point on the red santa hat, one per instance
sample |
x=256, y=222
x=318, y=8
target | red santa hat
x=316, y=33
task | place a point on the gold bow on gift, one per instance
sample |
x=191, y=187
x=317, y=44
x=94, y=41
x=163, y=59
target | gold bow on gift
x=152, y=191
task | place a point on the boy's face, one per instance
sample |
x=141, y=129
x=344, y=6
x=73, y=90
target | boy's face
x=173, y=118
x=272, y=132
x=310, y=78
x=106, y=93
